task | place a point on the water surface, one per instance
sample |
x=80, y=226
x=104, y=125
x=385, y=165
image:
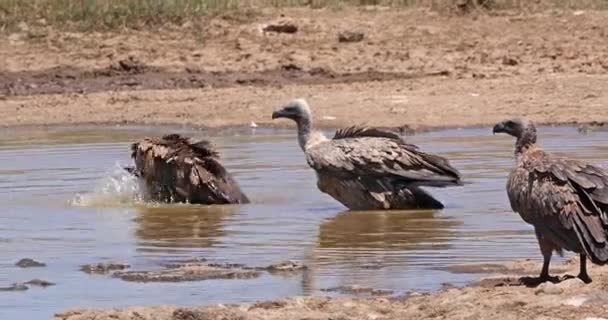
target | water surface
x=66, y=202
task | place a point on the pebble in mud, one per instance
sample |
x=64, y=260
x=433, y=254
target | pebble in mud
x=29, y=263
x=289, y=266
x=40, y=283
x=15, y=287
x=103, y=268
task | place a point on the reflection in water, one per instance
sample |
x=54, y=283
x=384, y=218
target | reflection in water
x=180, y=226
x=369, y=248
x=387, y=230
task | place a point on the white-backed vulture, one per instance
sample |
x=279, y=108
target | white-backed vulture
x=565, y=200
x=175, y=169
x=369, y=168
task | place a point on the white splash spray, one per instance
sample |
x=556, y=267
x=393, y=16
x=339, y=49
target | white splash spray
x=117, y=188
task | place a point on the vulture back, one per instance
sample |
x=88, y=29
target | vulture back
x=175, y=169
x=375, y=153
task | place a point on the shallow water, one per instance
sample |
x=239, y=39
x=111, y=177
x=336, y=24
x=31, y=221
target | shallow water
x=67, y=203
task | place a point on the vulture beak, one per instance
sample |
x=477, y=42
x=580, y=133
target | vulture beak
x=279, y=114
x=499, y=127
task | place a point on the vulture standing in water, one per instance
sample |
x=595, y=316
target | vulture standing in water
x=175, y=169
x=565, y=200
x=369, y=168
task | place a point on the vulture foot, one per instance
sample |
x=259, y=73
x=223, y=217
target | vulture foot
x=585, y=278
x=536, y=281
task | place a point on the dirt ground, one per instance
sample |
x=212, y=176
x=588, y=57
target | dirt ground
x=497, y=297
x=412, y=68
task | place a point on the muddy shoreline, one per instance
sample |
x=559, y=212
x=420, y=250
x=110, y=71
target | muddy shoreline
x=500, y=294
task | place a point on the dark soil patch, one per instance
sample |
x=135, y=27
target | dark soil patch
x=132, y=75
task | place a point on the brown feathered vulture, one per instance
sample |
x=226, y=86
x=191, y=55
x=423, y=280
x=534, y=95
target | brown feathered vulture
x=175, y=169
x=369, y=168
x=566, y=200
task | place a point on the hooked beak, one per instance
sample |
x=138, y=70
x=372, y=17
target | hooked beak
x=498, y=128
x=279, y=114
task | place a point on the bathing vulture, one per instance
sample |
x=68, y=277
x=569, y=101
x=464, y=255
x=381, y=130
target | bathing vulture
x=566, y=200
x=175, y=169
x=367, y=168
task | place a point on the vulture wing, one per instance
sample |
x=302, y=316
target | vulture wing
x=359, y=152
x=565, y=195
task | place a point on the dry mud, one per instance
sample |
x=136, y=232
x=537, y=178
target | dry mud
x=412, y=68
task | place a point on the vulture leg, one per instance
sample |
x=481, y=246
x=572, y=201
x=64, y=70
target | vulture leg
x=583, y=270
x=546, y=248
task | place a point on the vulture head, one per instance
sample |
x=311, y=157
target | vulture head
x=522, y=129
x=296, y=110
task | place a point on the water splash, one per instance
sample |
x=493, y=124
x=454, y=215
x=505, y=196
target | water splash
x=117, y=188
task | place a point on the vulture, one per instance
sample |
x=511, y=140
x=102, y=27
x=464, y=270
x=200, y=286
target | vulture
x=566, y=200
x=176, y=169
x=367, y=168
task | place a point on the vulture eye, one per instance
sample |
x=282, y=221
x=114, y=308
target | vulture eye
x=509, y=123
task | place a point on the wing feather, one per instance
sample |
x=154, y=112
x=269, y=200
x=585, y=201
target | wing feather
x=190, y=171
x=375, y=153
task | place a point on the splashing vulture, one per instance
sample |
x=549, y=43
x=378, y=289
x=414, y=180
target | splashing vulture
x=566, y=200
x=175, y=169
x=367, y=168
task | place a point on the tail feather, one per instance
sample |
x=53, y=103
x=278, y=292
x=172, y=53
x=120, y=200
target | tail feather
x=596, y=250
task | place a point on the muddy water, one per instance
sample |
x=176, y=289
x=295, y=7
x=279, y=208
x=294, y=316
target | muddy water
x=66, y=202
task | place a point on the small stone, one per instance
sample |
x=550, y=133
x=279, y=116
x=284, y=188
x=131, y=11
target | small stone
x=350, y=36
x=509, y=61
x=23, y=26
x=103, y=268
x=15, y=287
x=571, y=284
x=281, y=27
x=548, y=288
x=29, y=263
x=40, y=283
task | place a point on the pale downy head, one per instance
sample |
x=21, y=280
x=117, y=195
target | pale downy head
x=296, y=110
x=520, y=128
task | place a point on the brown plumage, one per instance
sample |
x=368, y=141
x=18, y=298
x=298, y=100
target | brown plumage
x=369, y=168
x=175, y=169
x=566, y=200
